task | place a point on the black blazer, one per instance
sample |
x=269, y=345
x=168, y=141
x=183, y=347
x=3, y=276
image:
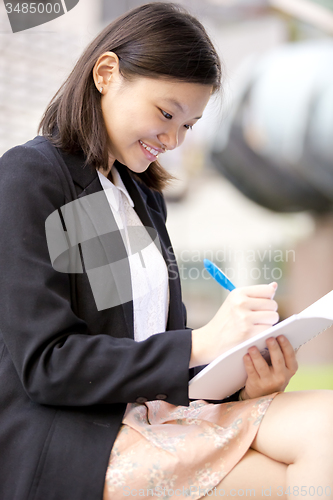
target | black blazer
x=67, y=370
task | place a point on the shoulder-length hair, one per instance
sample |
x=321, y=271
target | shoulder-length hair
x=156, y=40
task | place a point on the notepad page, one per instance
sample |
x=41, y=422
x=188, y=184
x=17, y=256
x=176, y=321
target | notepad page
x=322, y=308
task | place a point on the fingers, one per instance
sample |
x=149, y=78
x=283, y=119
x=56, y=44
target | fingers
x=256, y=304
x=262, y=304
x=282, y=355
x=250, y=368
x=262, y=376
x=289, y=354
x=242, y=300
x=265, y=317
x=258, y=311
x=261, y=291
x=279, y=356
x=260, y=366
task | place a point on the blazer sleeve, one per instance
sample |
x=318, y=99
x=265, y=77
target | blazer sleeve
x=57, y=359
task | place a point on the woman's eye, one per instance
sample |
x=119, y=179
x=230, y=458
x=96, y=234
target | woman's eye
x=166, y=115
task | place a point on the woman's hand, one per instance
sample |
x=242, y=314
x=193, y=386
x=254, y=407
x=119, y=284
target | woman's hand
x=246, y=312
x=264, y=379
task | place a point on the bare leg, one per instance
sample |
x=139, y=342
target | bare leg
x=254, y=476
x=294, y=450
x=298, y=430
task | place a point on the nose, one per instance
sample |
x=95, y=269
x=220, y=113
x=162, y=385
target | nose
x=169, y=139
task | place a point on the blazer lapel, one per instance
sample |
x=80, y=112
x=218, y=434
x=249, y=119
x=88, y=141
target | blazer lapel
x=97, y=214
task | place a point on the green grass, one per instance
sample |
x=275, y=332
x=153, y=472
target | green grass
x=312, y=377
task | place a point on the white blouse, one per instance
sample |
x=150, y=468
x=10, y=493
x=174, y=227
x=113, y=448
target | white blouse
x=150, y=286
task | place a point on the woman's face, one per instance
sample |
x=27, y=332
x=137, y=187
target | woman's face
x=146, y=112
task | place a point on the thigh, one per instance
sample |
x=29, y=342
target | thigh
x=255, y=475
x=293, y=423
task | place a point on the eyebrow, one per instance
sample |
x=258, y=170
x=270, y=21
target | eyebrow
x=179, y=106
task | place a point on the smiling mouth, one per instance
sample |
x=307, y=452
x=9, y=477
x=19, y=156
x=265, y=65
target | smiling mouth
x=149, y=149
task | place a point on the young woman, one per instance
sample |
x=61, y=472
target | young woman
x=95, y=353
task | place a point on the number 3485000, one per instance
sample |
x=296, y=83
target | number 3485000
x=33, y=8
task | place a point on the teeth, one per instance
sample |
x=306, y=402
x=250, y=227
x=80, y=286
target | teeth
x=151, y=150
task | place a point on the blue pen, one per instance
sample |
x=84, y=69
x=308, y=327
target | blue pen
x=218, y=275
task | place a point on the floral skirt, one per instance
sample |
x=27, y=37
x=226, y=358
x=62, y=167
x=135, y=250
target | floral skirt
x=166, y=451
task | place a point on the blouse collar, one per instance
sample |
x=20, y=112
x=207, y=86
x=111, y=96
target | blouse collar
x=112, y=189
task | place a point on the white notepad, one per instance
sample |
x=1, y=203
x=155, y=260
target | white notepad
x=226, y=374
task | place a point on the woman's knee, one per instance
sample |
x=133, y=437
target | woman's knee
x=294, y=422
x=316, y=411
x=255, y=475
x=318, y=418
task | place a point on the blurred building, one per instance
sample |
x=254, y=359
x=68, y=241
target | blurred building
x=33, y=65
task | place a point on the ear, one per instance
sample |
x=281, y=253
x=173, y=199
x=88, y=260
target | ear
x=106, y=70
